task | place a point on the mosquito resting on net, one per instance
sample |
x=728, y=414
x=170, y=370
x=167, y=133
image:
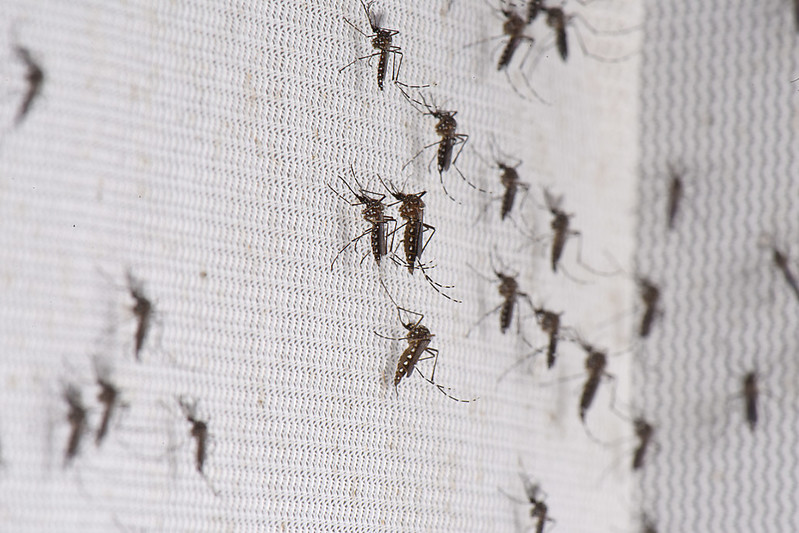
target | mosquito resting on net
x=539, y=511
x=382, y=42
x=674, y=197
x=446, y=128
x=781, y=262
x=418, y=339
x=595, y=364
x=109, y=398
x=374, y=212
x=34, y=78
x=142, y=310
x=559, y=225
x=549, y=322
x=513, y=27
x=414, y=243
x=199, y=432
x=509, y=290
x=650, y=295
x=76, y=416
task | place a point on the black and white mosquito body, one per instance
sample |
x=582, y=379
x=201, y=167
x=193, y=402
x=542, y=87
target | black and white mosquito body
x=644, y=431
x=34, y=78
x=109, y=398
x=650, y=295
x=142, y=310
x=550, y=324
x=382, y=41
x=374, y=212
x=76, y=416
x=674, y=197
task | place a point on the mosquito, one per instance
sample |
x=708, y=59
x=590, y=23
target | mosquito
x=781, y=261
x=674, y=197
x=109, y=397
x=418, y=338
x=446, y=128
x=539, y=511
x=382, y=42
x=76, y=416
x=509, y=290
x=750, y=394
x=510, y=180
x=374, y=213
x=199, y=431
x=550, y=323
x=142, y=310
x=560, y=225
x=650, y=294
x=644, y=431
x=557, y=19
x=513, y=28
x=414, y=243
x=595, y=364
x=34, y=78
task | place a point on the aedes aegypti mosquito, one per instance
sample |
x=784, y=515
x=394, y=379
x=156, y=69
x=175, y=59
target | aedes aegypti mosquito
x=374, y=212
x=411, y=210
x=446, y=128
x=382, y=41
x=418, y=338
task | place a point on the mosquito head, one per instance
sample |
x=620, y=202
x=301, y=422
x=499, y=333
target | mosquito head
x=412, y=205
x=596, y=361
x=556, y=18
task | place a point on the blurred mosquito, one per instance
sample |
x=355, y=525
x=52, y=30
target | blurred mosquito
x=595, y=365
x=143, y=310
x=414, y=243
x=446, y=128
x=513, y=27
x=558, y=21
x=549, y=322
x=76, y=416
x=539, y=511
x=418, y=339
x=509, y=178
x=509, y=290
x=374, y=212
x=781, y=261
x=650, y=295
x=675, y=195
x=382, y=42
x=109, y=397
x=199, y=432
x=560, y=225
x=34, y=79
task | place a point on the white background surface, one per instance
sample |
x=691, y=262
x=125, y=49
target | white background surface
x=193, y=146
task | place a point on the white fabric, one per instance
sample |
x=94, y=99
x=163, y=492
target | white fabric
x=192, y=145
